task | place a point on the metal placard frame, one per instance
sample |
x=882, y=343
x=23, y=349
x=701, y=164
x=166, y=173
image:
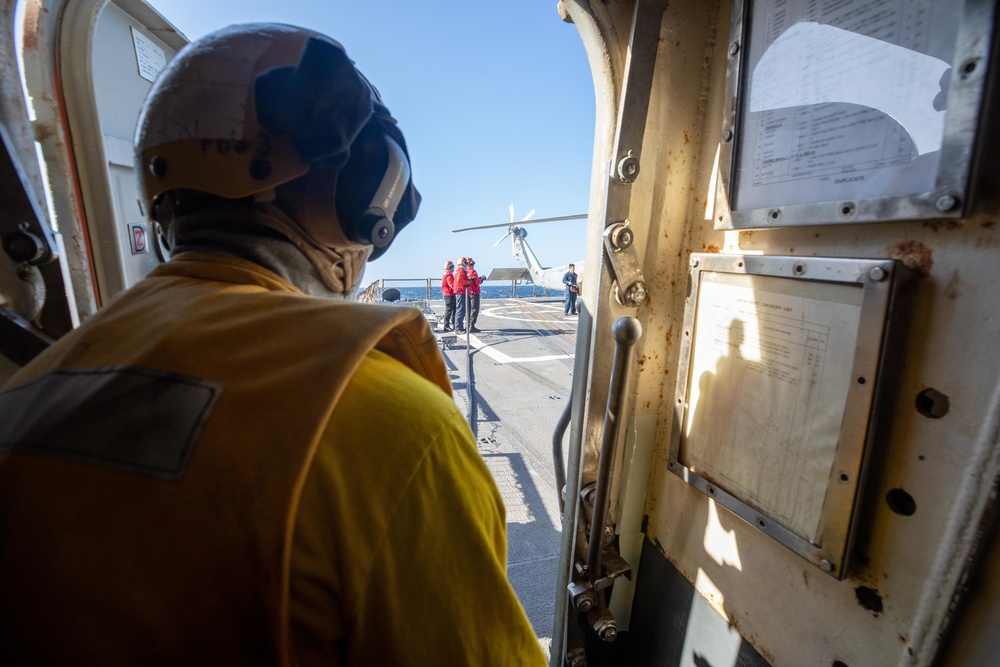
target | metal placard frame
x=876, y=279
x=953, y=191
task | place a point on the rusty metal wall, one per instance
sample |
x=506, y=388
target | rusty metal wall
x=916, y=559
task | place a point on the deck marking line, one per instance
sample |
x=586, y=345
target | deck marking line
x=502, y=358
x=530, y=315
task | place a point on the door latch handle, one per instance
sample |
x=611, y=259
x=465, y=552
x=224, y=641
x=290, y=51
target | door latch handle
x=626, y=331
x=585, y=591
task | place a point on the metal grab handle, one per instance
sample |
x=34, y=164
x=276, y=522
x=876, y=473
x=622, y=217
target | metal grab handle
x=626, y=331
x=557, y=454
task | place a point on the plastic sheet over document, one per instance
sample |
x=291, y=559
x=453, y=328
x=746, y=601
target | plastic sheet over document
x=770, y=372
x=846, y=100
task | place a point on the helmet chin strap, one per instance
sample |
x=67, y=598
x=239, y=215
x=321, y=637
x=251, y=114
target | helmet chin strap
x=340, y=268
x=265, y=196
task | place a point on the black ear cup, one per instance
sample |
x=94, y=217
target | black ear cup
x=376, y=224
x=371, y=186
x=375, y=229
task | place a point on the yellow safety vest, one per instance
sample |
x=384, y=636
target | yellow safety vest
x=181, y=559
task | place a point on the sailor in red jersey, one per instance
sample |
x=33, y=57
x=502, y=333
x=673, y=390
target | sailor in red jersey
x=461, y=283
x=448, y=293
x=474, y=289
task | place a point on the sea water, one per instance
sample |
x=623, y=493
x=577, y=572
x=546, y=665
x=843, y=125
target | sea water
x=494, y=291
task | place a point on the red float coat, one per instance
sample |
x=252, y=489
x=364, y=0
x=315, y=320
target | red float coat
x=461, y=280
x=474, y=281
x=447, y=284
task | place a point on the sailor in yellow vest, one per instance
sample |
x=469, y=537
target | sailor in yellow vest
x=221, y=468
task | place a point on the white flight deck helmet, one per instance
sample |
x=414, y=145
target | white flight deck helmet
x=252, y=107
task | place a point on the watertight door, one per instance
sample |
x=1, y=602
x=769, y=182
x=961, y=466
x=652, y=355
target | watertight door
x=87, y=65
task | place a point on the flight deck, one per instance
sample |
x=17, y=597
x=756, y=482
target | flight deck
x=519, y=367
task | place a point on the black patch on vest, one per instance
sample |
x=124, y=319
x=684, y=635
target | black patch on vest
x=130, y=419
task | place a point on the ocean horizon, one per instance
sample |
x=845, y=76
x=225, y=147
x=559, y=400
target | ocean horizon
x=496, y=290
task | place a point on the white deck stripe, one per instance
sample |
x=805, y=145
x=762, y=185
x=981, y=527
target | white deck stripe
x=502, y=358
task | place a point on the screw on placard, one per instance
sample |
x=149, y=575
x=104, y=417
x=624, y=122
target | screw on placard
x=734, y=48
x=727, y=135
x=946, y=203
x=877, y=274
x=826, y=565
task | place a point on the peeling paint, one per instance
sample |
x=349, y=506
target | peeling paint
x=913, y=254
x=31, y=26
x=870, y=599
x=711, y=247
x=947, y=225
x=44, y=131
x=953, y=289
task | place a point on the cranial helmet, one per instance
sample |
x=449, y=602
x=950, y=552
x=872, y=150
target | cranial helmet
x=252, y=107
x=449, y=265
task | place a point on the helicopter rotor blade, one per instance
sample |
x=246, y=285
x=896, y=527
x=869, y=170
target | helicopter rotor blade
x=503, y=237
x=530, y=213
x=581, y=216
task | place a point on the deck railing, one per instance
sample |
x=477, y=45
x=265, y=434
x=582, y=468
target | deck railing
x=428, y=289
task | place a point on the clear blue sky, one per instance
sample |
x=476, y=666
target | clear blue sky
x=496, y=102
